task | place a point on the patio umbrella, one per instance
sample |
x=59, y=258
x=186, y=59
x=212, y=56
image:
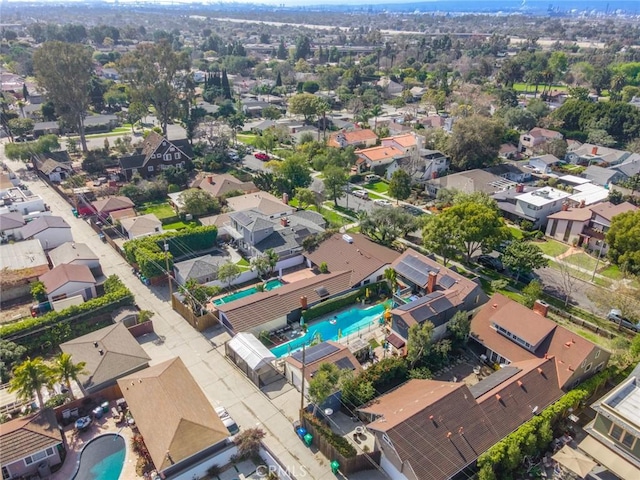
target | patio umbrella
x=574, y=461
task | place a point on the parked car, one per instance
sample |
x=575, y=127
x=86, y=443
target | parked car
x=615, y=315
x=361, y=194
x=228, y=422
x=382, y=203
x=261, y=156
x=415, y=211
x=488, y=261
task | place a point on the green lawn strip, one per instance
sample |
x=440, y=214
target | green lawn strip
x=585, y=276
x=380, y=186
x=334, y=218
x=612, y=272
x=522, y=87
x=516, y=233
x=159, y=209
x=374, y=196
x=581, y=260
x=180, y=225
x=247, y=139
x=244, y=264
x=552, y=248
x=346, y=211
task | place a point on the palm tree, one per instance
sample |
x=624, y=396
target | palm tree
x=65, y=370
x=391, y=278
x=375, y=111
x=272, y=257
x=29, y=377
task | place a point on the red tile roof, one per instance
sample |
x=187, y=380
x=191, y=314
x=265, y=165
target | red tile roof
x=379, y=154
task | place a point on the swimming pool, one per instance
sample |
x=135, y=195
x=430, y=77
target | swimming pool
x=102, y=458
x=345, y=323
x=270, y=285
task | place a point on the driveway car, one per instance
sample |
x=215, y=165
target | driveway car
x=382, y=203
x=415, y=211
x=228, y=422
x=615, y=315
x=361, y=194
x=490, y=262
x=261, y=156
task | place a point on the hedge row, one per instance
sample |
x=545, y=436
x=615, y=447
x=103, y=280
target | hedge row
x=116, y=295
x=340, y=443
x=343, y=301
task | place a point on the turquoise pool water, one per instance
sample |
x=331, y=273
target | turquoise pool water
x=270, y=285
x=102, y=458
x=346, y=323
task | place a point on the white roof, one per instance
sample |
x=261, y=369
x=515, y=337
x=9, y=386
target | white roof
x=590, y=193
x=251, y=350
x=176, y=198
x=573, y=179
x=543, y=196
x=21, y=255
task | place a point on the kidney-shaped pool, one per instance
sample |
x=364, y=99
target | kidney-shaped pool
x=102, y=458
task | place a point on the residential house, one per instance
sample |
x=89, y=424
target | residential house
x=274, y=309
x=613, y=436
x=532, y=141
x=433, y=430
x=567, y=224
x=69, y=280
x=361, y=137
x=156, y=154
x=31, y=446
x=587, y=194
x=28, y=204
x=110, y=353
x=366, y=260
x=510, y=332
x=429, y=291
x=202, y=269
x=602, y=214
x=630, y=167
x=22, y=263
x=589, y=154
x=432, y=121
x=219, y=185
x=141, y=226
x=8, y=180
x=52, y=231
x=105, y=206
x=10, y=226
x=181, y=430
x=100, y=123
x=252, y=107
x=544, y=163
x=46, y=128
x=72, y=253
x=56, y=166
x=408, y=143
x=508, y=151
x=325, y=352
x=511, y=172
x=602, y=176
x=390, y=87
x=262, y=202
x=119, y=215
x=532, y=205
x=470, y=181
x=377, y=158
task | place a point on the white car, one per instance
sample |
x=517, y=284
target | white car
x=228, y=422
x=382, y=203
x=360, y=194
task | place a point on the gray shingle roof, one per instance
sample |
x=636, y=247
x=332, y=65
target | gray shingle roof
x=43, y=223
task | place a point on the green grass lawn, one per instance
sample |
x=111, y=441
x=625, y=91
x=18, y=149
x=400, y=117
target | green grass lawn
x=159, y=209
x=335, y=220
x=522, y=87
x=374, y=196
x=244, y=264
x=282, y=152
x=612, y=272
x=582, y=260
x=249, y=139
x=180, y=225
x=516, y=233
x=552, y=248
x=379, y=186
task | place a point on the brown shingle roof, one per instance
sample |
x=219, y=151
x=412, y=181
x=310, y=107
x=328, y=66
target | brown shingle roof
x=69, y=252
x=65, y=273
x=577, y=214
x=23, y=436
x=172, y=413
x=121, y=355
x=221, y=184
x=121, y=214
x=262, y=307
x=43, y=223
x=362, y=257
x=263, y=202
x=524, y=323
x=111, y=204
x=608, y=210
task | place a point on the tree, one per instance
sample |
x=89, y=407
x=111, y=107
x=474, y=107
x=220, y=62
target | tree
x=386, y=224
x=30, y=377
x=459, y=326
x=556, y=147
x=65, y=370
x=261, y=265
x=304, y=104
x=198, y=202
x=532, y=292
x=249, y=442
x=228, y=272
x=20, y=126
x=400, y=185
x=268, y=140
x=523, y=257
x=10, y=353
x=55, y=63
x=323, y=384
x=335, y=179
x=475, y=142
x=305, y=197
x=153, y=72
x=296, y=172
x=391, y=277
x=39, y=291
x=375, y=112
x=441, y=235
x=281, y=55
x=622, y=298
x=523, y=120
x=623, y=238
x=566, y=282
x=419, y=342
x=197, y=295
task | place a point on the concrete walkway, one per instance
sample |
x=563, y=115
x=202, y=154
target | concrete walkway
x=202, y=354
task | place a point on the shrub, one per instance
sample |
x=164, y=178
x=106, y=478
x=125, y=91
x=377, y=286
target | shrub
x=324, y=268
x=340, y=443
x=56, y=400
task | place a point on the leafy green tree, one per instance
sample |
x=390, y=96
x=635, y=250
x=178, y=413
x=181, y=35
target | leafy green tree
x=21, y=126
x=391, y=277
x=38, y=291
x=228, y=272
x=305, y=197
x=475, y=142
x=197, y=295
x=281, y=54
x=198, y=202
x=624, y=241
x=323, y=384
x=30, y=377
x=335, y=179
x=386, y=224
x=523, y=257
x=532, y=292
x=10, y=353
x=268, y=140
x=419, y=342
x=261, y=265
x=55, y=63
x=400, y=185
x=273, y=258
x=65, y=370
x=459, y=327
x=304, y=104
x=523, y=120
x=295, y=170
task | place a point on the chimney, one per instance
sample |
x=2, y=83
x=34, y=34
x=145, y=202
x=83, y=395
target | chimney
x=285, y=198
x=565, y=207
x=284, y=221
x=541, y=308
x=303, y=303
x=594, y=151
x=431, y=283
x=582, y=203
x=210, y=179
x=519, y=188
x=434, y=175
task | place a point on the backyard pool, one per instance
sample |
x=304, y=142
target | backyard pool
x=270, y=285
x=345, y=323
x=102, y=458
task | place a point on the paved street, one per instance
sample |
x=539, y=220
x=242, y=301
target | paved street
x=203, y=354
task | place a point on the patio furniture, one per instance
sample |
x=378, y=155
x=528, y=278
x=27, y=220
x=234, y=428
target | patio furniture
x=83, y=423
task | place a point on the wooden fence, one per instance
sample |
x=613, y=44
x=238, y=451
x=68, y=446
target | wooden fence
x=200, y=323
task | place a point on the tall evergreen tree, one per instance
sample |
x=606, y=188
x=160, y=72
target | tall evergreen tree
x=226, y=88
x=279, y=80
x=282, y=51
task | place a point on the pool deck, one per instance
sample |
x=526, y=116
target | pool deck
x=76, y=440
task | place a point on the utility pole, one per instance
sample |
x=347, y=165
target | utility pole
x=166, y=259
x=302, y=387
x=595, y=269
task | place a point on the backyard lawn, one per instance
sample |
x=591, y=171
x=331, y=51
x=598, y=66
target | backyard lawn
x=552, y=248
x=249, y=139
x=379, y=186
x=180, y=225
x=516, y=233
x=159, y=209
x=244, y=264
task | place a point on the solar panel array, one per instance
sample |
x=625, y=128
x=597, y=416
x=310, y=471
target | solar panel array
x=441, y=304
x=420, y=301
x=446, y=281
x=345, y=364
x=493, y=380
x=242, y=218
x=414, y=269
x=322, y=291
x=315, y=353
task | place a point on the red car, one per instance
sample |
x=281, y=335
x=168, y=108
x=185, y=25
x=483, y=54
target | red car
x=262, y=156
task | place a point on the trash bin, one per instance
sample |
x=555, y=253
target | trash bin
x=335, y=466
x=97, y=412
x=308, y=438
x=105, y=407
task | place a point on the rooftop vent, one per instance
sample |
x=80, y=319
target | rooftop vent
x=347, y=238
x=101, y=352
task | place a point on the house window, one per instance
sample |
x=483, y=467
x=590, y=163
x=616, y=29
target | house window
x=567, y=232
x=597, y=353
x=167, y=157
x=36, y=457
x=150, y=168
x=622, y=436
x=599, y=367
x=588, y=367
x=387, y=440
x=176, y=156
x=5, y=473
x=554, y=226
